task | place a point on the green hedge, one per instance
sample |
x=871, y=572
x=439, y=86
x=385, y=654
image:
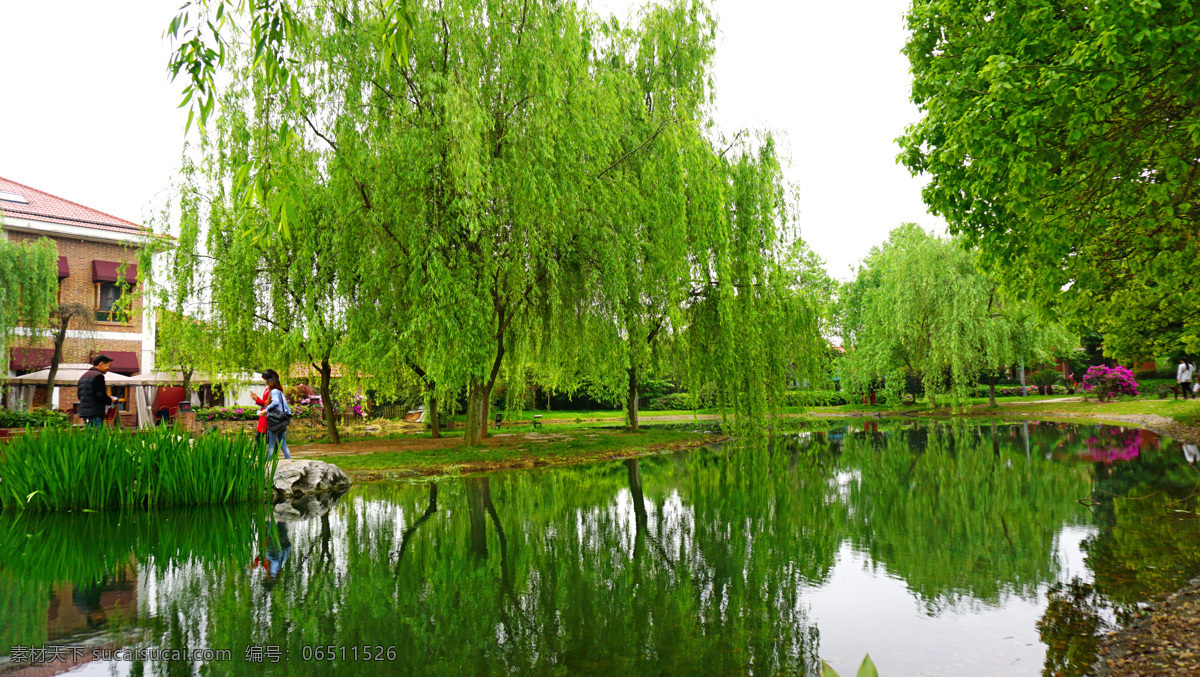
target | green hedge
x=816, y=398
x=38, y=418
x=671, y=402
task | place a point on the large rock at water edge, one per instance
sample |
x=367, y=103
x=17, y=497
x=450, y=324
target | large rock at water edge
x=297, y=477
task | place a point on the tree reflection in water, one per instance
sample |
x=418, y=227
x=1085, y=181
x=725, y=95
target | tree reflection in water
x=696, y=563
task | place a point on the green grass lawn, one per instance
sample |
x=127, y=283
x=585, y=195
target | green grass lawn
x=1186, y=412
x=424, y=456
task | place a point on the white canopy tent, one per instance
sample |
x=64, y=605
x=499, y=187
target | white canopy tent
x=21, y=388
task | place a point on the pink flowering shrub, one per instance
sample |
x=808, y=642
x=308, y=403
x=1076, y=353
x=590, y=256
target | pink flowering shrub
x=1109, y=382
x=250, y=413
x=242, y=413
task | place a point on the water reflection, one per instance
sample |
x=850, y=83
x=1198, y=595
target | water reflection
x=943, y=548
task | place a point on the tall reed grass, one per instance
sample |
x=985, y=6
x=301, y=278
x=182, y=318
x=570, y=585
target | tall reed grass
x=96, y=469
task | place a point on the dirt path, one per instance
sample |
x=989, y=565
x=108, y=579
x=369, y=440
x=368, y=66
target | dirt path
x=497, y=440
x=1163, y=641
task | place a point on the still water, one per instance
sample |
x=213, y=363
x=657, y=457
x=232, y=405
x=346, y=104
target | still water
x=940, y=549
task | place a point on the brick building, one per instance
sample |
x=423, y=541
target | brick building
x=97, y=264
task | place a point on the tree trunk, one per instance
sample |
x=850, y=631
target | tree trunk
x=992, y=391
x=327, y=402
x=631, y=401
x=56, y=359
x=477, y=398
x=432, y=412
x=187, y=383
x=480, y=395
x=435, y=425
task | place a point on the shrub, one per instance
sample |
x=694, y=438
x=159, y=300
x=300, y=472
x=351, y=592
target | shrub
x=242, y=413
x=815, y=398
x=250, y=413
x=38, y=418
x=65, y=469
x=1109, y=382
x=674, y=401
x=1044, y=377
x=1147, y=375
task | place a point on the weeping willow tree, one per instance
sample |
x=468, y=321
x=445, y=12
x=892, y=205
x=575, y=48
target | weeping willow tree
x=28, y=285
x=754, y=316
x=920, y=308
x=656, y=78
x=526, y=186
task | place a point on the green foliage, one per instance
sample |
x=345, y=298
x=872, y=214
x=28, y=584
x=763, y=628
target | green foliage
x=500, y=200
x=866, y=669
x=36, y=418
x=1045, y=377
x=97, y=468
x=672, y=402
x=919, y=308
x=28, y=285
x=1062, y=139
x=816, y=398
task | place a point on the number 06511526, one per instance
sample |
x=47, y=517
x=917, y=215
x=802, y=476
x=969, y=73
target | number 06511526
x=337, y=652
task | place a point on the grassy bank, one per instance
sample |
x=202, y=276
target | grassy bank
x=1184, y=412
x=71, y=469
x=416, y=455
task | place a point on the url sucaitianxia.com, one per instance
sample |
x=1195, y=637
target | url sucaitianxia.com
x=36, y=655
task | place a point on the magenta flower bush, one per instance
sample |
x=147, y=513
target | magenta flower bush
x=250, y=413
x=242, y=413
x=1109, y=382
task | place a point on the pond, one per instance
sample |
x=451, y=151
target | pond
x=938, y=548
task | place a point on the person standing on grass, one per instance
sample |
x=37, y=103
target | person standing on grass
x=1183, y=376
x=93, y=393
x=277, y=433
x=262, y=403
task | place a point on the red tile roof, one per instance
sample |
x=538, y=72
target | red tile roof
x=53, y=209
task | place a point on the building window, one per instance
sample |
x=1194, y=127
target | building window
x=120, y=398
x=107, y=296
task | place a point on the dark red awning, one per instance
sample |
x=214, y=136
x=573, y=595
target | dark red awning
x=63, y=269
x=31, y=359
x=106, y=271
x=123, y=362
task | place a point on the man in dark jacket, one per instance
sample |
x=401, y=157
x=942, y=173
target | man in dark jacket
x=93, y=394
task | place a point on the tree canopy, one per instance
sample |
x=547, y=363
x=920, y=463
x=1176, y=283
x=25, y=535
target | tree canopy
x=1064, y=139
x=920, y=308
x=28, y=285
x=526, y=185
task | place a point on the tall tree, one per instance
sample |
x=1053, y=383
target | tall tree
x=28, y=285
x=1063, y=140
x=753, y=319
x=82, y=315
x=640, y=265
x=919, y=308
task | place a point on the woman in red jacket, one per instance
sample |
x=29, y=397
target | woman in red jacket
x=262, y=402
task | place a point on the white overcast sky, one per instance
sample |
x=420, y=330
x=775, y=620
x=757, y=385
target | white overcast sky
x=87, y=111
